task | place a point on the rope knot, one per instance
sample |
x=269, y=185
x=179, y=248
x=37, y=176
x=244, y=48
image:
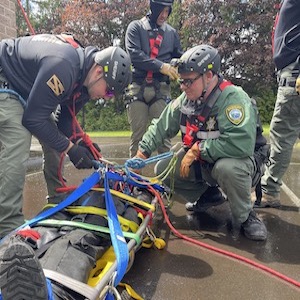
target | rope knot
x=135, y=163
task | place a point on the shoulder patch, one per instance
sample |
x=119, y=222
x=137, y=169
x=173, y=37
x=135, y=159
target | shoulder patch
x=235, y=114
x=55, y=85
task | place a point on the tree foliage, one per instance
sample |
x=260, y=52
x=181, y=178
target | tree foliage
x=239, y=29
x=101, y=23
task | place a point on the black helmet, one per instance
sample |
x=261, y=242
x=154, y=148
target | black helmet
x=200, y=59
x=116, y=65
x=163, y=2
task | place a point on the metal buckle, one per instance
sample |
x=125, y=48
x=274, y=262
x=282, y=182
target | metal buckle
x=149, y=80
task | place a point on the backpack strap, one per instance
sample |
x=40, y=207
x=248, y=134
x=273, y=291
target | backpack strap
x=212, y=98
x=67, y=38
x=202, y=117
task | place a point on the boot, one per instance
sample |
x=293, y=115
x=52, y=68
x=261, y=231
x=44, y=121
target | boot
x=211, y=197
x=268, y=201
x=254, y=228
x=21, y=275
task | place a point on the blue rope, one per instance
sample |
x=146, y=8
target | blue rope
x=12, y=92
x=138, y=163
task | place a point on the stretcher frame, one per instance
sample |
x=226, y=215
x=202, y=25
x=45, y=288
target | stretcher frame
x=105, y=284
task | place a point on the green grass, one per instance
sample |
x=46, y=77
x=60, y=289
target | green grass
x=266, y=129
x=128, y=133
x=109, y=134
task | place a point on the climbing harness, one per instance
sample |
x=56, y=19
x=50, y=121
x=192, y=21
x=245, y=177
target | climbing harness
x=155, y=41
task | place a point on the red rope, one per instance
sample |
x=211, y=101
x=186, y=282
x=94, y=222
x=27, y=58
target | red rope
x=220, y=251
x=78, y=133
x=26, y=18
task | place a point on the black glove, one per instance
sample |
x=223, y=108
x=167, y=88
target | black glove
x=83, y=144
x=81, y=157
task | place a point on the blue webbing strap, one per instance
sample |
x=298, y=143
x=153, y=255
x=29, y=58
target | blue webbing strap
x=49, y=288
x=116, y=234
x=87, y=184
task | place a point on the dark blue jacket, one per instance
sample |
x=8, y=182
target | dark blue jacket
x=287, y=34
x=138, y=47
x=46, y=72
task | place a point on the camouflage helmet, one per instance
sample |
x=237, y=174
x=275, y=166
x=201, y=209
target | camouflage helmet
x=116, y=65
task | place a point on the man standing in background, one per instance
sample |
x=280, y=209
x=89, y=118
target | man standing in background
x=285, y=123
x=151, y=44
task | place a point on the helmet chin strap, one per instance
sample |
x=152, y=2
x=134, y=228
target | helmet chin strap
x=202, y=97
x=91, y=84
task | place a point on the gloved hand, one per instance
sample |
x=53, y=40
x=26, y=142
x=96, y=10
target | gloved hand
x=81, y=157
x=83, y=144
x=192, y=155
x=170, y=71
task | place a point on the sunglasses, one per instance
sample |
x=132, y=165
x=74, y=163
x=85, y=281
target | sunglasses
x=189, y=81
x=109, y=93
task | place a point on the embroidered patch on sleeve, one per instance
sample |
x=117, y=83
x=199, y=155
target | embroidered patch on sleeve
x=235, y=114
x=55, y=85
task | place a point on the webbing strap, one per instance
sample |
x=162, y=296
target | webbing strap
x=154, y=49
x=76, y=210
x=70, y=40
x=154, y=43
x=117, y=177
x=87, y=184
x=212, y=98
x=102, y=229
x=192, y=129
x=129, y=198
x=75, y=285
x=116, y=234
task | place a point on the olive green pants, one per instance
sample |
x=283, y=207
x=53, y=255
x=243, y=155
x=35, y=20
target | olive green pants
x=234, y=176
x=15, y=143
x=284, y=131
x=141, y=111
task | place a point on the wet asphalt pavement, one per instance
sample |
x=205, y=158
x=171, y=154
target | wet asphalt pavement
x=186, y=271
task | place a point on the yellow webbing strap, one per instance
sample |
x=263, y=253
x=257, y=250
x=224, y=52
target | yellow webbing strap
x=125, y=224
x=103, y=264
x=59, y=223
x=128, y=198
x=151, y=240
x=131, y=291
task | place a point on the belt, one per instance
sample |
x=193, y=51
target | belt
x=287, y=81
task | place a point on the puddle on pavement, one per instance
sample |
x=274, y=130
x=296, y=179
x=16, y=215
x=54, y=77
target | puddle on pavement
x=280, y=251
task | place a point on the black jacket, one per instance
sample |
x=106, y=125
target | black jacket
x=287, y=34
x=46, y=72
x=138, y=47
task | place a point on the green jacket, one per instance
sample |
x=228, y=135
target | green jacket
x=229, y=130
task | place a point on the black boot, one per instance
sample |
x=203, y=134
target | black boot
x=254, y=228
x=21, y=275
x=211, y=197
